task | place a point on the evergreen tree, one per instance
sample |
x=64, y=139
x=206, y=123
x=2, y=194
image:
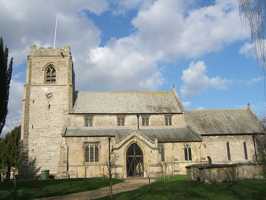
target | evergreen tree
x=5, y=77
x=9, y=150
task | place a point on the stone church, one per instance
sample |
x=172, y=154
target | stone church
x=148, y=133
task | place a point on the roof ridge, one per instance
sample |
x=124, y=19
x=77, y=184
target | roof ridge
x=218, y=109
x=179, y=103
x=127, y=91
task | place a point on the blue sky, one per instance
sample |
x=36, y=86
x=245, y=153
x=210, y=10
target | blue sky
x=201, y=47
x=243, y=72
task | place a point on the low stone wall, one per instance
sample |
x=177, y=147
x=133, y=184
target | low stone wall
x=224, y=172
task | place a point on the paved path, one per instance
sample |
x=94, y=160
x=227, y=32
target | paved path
x=127, y=185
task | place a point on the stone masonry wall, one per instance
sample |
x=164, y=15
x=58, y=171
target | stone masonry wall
x=225, y=172
x=46, y=116
x=131, y=120
x=216, y=148
x=174, y=163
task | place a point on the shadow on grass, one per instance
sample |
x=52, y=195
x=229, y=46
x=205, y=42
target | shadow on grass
x=44, y=188
x=180, y=188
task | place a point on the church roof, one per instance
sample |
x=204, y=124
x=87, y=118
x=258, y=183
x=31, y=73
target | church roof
x=172, y=134
x=217, y=122
x=127, y=102
x=162, y=134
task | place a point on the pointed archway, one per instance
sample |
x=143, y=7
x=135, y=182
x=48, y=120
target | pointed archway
x=134, y=161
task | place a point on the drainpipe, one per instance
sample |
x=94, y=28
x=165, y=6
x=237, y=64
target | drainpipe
x=67, y=164
x=109, y=167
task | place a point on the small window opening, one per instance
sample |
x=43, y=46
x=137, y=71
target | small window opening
x=89, y=120
x=187, y=152
x=161, y=151
x=91, y=152
x=228, y=151
x=245, y=150
x=120, y=120
x=145, y=120
x=168, y=120
x=50, y=74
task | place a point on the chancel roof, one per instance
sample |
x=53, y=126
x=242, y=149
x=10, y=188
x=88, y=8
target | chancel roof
x=127, y=102
x=217, y=122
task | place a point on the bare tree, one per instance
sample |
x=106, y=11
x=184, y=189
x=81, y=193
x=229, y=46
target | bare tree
x=110, y=164
x=254, y=12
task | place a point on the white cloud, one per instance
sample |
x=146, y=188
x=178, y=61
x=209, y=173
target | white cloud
x=26, y=23
x=33, y=22
x=250, y=82
x=248, y=50
x=164, y=31
x=121, y=65
x=167, y=28
x=124, y=5
x=186, y=104
x=195, y=80
x=200, y=108
x=255, y=80
x=254, y=50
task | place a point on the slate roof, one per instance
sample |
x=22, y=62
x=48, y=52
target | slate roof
x=172, y=134
x=219, y=122
x=127, y=102
x=162, y=134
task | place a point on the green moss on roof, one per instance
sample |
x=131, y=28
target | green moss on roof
x=127, y=102
x=228, y=121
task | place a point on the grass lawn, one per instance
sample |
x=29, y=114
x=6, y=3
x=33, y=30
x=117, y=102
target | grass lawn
x=179, y=188
x=35, y=188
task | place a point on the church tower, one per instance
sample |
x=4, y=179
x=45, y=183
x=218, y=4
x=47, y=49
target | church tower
x=48, y=98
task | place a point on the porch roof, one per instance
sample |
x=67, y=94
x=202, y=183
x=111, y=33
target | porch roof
x=184, y=134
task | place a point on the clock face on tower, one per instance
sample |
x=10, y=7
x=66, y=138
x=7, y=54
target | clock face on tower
x=49, y=95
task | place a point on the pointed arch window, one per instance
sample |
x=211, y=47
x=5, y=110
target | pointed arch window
x=245, y=150
x=228, y=151
x=187, y=152
x=50, y=74
x=161, y=151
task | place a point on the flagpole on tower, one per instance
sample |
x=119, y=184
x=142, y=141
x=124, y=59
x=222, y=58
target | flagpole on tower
x=55, y=29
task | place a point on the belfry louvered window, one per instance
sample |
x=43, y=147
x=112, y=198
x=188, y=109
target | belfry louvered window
x=50, y=74
x=91, y=152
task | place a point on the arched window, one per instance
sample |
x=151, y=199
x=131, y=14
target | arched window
x=161, y=151
x=245, y=150
x=228, y=151
x=135, y=166
x=50, y=74
x=187, y=152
